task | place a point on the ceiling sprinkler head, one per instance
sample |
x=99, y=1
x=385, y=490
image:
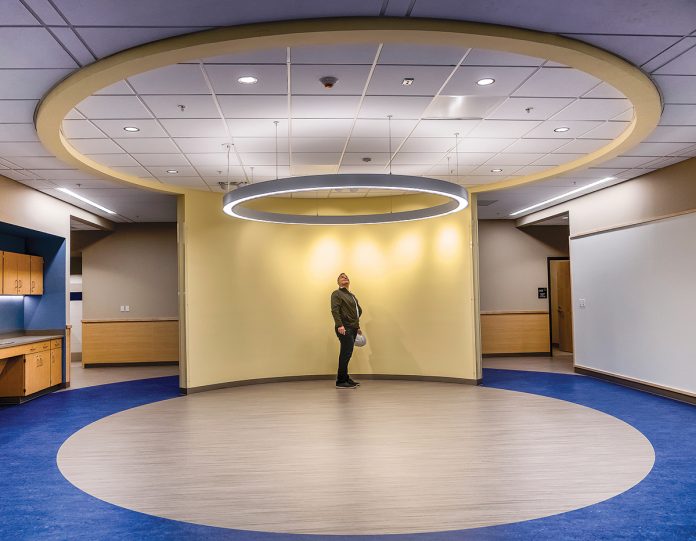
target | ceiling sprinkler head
x=328, y=82
x=367, y=159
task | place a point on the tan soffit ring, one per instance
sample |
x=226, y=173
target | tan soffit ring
x=626, y=78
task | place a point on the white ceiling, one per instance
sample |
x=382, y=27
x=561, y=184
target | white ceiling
x=41, y=42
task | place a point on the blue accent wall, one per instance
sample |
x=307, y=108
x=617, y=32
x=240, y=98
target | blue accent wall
x=11, y=308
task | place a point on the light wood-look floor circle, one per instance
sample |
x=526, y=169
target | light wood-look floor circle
x=389, y=457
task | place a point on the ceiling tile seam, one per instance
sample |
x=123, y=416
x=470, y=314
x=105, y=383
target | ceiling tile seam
x=72, y=28
x=682, y=38
x=383, y=9
x=442, y=87
x=356, y=116
x=142, y=102
x=52, y=33
x=288, y=60
x=225, y=126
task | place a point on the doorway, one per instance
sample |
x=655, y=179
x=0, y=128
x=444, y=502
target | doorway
x=560, y=306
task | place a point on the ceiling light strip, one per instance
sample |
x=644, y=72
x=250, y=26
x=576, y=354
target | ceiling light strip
x=562, y=196
x=360, y=103
x=85, y=200
x=213, y=95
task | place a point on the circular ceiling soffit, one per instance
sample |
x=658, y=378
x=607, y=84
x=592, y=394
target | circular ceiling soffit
x=234, y=202
x=618, y=73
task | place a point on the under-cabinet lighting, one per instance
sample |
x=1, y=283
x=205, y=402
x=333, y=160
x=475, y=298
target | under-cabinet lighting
x=85, y=200
x=571, y=192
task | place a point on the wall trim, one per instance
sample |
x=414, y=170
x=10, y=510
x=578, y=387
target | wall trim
x=137, y=363
x=634, y=223
x=313, y=377
x=523, y=354
x=500, y=312
x=647, y=387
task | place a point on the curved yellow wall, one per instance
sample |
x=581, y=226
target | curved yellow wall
x=257, y=296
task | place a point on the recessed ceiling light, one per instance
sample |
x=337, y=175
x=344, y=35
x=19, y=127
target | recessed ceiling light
x=571, y=192
x=85, y=200
x=564, y=218
x=408, y=81
x=172, y=171
x=562, y=129
x=496, y=170
x=248, y=80
x=131, y=128
x=485, y=82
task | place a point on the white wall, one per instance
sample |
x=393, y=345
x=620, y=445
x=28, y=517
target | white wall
x=639, y=288
x=76, y=318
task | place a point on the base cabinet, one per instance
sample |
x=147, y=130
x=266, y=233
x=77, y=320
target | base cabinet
x=32, y=368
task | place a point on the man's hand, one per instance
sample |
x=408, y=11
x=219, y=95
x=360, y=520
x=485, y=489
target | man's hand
x=341, y=330
x=359, y=331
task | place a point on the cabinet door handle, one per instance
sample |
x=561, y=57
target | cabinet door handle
x=20, y=284
x=33, y=285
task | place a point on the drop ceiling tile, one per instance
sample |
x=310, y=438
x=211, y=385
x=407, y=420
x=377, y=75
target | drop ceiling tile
x=194, y=127
x=113, y=159
x=272, y=79
x=114, y=129
x=530, y=170
x=557, y=158
x=688, y=151
x=11, y=149
x=72, y=43
x=81, y=129
x=188, y=182
x=428, y=144
x=175, y=79
x=356, y=158
x=472, y=144
x=424, y=55
x=507, y=79
x=40, y=162
x=557, y=82
x=266, y=56
x=583, y=146
x=136, y=171
x=417, y=158
x=25, y=84
x=403, y=169
x=673, y=134
x=678, y=115
x=14, y=13
x=264, y=158
x=274, y=107
x=199, y=144
x=324, y=106
x=372, y=144
x=19, y=175
x=258, y=144
x=400, y=107
x=164, y=160
x=626, y=162
x=636, y=49
x=116, y=107
x=63, y=174
x=682, y=64
x=361, y=169
x=486, y=57
x=529, y=108
x=22, y=47
x=219, y=174
x=656, y=149
x=241, y=127
x=545, y=130
x=183, y=171
x=604, y=91
x=334, y=54
x=269, y=171
x=503, y=128
x=121, y=88
x=321, y=127
x=427, y=80
x=316, y=158
x=351, y=79
x=96, y=146
x=368, y=127
x=487, y=169
x=535, y=145
x=106, y=40
x=676, y=89
x=17, y=111
x=593, y=109
x=37, y=184
x=94, y=183
x=213, y=159
x=444, y=128
x=18, y=132
x=608, y=130
x=510, y=158
x=147, y=145
x=626, y=116
x=470, y=158
x=317, y=144
x=195, y=106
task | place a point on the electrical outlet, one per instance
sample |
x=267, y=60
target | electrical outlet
x=123, y=308
x=581, y=303
x=127, y=308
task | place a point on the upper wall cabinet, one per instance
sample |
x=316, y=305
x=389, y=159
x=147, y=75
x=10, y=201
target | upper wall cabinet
x=22, y=274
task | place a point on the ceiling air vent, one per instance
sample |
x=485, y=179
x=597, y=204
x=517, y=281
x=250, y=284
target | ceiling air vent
x=462, y=107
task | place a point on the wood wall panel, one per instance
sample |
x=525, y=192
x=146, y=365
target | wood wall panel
x=142, y=341
x=514, y=332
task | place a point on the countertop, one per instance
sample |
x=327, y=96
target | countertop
x=21, y=340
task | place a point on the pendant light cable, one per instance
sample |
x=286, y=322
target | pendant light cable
x=229, y=148
x=456, y=153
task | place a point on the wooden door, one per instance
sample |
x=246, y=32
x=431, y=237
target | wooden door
x=564, y=307
x=9, y=274
x=24, y=274
x=56, y=367
x=36, y=272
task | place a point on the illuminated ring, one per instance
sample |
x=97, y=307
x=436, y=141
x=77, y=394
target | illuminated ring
x=233, y=202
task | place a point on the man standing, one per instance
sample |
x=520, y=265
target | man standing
x=346, y=312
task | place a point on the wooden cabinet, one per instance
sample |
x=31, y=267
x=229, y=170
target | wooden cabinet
x=56, y=362
x=37, y=372
x=30, y=368
x=22, y=274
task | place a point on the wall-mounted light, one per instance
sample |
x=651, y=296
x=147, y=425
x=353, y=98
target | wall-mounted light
x=85, y=200
x=571, y=192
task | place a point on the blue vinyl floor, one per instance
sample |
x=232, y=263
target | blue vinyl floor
x=38, y=503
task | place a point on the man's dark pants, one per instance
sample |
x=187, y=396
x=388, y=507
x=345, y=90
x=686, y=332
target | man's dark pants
x=347, y=344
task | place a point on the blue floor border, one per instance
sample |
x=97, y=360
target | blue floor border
x=38, y=503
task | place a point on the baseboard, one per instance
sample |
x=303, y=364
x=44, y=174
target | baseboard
x=529, y=354
x=15, y=400
x=76, y=357
x=112, y=365
x=260, y=381
x=638, y=385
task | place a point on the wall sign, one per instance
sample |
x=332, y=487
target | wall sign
x=542, y=293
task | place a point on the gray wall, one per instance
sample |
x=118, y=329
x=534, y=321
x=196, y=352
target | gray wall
x=512, y=263
x=135, y=266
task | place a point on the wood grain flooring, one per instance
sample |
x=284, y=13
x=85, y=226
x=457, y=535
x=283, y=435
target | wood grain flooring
x=389, y=457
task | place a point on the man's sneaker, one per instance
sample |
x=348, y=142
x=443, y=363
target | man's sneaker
x=355, y=383
x=346, y=385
